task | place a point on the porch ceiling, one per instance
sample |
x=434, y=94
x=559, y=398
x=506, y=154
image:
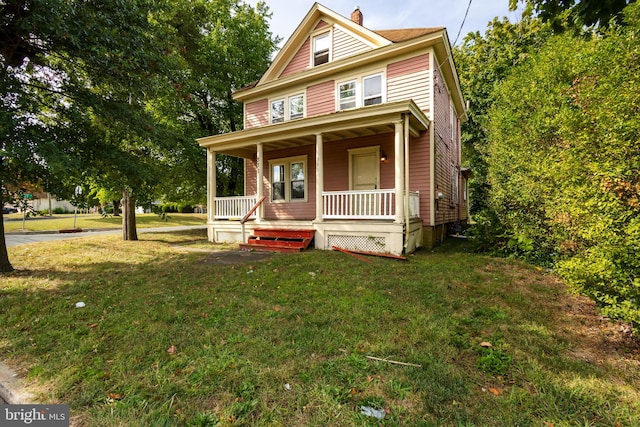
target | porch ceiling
x=360, y=122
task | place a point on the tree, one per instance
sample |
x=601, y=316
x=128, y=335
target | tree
x=64, y=62
x=482, y=62
x=564, y=163
x=225, y=45
x=578, y=13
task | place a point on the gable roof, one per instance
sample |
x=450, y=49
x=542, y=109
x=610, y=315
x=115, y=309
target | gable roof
x=383, y=44
x=402, y=35
x=310, y=22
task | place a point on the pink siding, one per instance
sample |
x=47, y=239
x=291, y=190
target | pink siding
x=345, y=45
x=257, y=114
x=336, y=161
x=295, y=210
x=446, y=152
x=321, y=25
x=409, y=79
x=321, y=98
x=250, y=188
x=419, y=173
x=300, y=60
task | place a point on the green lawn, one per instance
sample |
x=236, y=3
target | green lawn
x=171, y=336
x=92, y=221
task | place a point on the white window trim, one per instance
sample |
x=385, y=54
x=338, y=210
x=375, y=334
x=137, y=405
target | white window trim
x=287, y=161
x=287, y=107
x=321, y=33
x=360, y=88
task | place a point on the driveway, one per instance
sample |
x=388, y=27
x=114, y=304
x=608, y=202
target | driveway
x=17, y=238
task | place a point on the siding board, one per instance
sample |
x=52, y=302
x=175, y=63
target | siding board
x=300, y=60
x=409, y=79
x=321, y=98
x=345, y=45
x=257, y=114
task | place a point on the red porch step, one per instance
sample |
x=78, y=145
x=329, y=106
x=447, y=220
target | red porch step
x=278, y=240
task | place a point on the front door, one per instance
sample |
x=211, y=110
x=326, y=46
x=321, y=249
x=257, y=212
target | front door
x=364, y=168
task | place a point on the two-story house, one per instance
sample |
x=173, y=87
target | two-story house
x=352, y=135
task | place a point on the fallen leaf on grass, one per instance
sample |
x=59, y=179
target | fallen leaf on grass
x=93, y=325
x=486, y=344
x=115, y=396
x=494, y=391
x=172, y=349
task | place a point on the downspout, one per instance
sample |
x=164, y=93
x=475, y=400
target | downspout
x=407, y=213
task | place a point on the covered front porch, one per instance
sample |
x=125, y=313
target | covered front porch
x=373, y=208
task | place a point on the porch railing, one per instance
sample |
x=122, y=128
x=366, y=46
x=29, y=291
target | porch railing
x=234, y=207
x=362, y=204
x=366, y=204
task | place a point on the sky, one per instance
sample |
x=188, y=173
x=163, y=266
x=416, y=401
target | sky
x=388, y=14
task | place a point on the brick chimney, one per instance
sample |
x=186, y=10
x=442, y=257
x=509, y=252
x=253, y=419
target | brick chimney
x=356, y=16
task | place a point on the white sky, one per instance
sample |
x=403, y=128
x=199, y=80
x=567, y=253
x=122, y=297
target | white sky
x=395, y=14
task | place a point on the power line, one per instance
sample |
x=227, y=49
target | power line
x=463, y=20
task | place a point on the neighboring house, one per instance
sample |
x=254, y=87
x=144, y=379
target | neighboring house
x=352, y=133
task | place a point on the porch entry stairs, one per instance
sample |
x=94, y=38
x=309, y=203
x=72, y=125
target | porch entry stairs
x=278, y=240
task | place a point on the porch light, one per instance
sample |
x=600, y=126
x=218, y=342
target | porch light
x=383, y=157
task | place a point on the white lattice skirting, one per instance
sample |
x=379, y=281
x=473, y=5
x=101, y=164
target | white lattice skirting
x=358, y=243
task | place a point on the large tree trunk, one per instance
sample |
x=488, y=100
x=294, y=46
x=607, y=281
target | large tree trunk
x=116, y=208
x=5, y=265
x=129, y=231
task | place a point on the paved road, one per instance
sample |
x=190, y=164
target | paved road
x=14, y=239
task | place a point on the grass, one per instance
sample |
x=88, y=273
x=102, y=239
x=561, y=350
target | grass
x=171, y=336
x=92, y=221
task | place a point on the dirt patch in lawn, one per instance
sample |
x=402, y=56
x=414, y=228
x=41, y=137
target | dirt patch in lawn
x=228, y=256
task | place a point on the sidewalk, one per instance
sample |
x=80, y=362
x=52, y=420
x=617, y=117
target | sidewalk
x=15, y=238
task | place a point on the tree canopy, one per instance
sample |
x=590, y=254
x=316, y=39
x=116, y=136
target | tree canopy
x=83, y=86
x=563, y=157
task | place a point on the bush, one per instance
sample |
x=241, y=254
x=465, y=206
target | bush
x=564, y=166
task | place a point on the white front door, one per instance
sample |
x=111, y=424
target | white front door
x=364, y=168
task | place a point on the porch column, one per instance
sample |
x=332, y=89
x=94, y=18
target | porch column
x=399, y=170
x=211, y=185
x=319, y=176
x=259, y=183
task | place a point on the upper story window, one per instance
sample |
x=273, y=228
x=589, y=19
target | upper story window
x=372, y=87
x=367, y=90
x=288, y=108
x=347, y=94
x=296, y=107
x=277, y=111
x=321, y=48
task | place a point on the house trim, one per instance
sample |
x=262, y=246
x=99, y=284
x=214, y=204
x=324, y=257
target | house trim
x=301, y=132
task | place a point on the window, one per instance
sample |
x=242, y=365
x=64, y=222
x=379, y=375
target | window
x=297, y=181
x=277, y=182
x=277, y=111
x=452, y=122
x=288, y=179
x=455, y=197
x=287, y=108
x=347, y=94
x=372, y=90
x=321, y=46
x=361, y=92
x=296, y=107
